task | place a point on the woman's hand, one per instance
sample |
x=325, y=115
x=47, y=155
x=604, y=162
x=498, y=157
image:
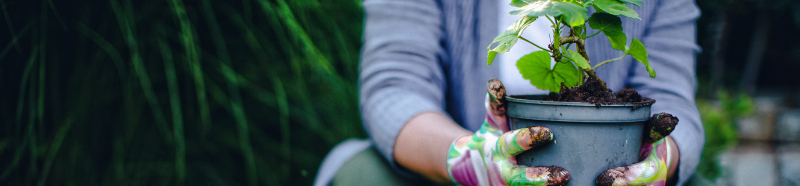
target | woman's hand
x=658, y=154
x=487, y=156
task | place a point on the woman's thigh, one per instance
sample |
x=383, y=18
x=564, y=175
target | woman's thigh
x=368, y=167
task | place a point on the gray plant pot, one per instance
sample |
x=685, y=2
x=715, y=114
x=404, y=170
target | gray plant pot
x=587, y=139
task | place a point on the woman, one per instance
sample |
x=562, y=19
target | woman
x=423, y=72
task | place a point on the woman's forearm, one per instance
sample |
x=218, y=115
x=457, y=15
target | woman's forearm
x=423, y=143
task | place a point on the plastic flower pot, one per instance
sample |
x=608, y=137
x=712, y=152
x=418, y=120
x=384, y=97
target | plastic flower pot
x=588, y=138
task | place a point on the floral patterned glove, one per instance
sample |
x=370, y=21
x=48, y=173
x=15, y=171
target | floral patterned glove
x=487, y=157
x=655, y=155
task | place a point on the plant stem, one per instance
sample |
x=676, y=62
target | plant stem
x=551, y=20
x=572, y=39
x=583, y=33
x=556, y=44
x=607, y=61
x=593, y=34
x=581, y=46
x=591, y=74
x=534, y=44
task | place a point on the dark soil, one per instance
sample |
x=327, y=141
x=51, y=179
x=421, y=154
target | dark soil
x=539, y=136
x=604, y=179
x=559, y=176
x=608, y=176
x=592, y=92
x=497, y=94
x=660, y=125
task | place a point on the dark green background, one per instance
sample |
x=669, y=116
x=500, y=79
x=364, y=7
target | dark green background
x=204, y=92
x=207, y=92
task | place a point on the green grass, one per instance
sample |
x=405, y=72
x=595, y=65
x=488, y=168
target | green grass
x=176, y=92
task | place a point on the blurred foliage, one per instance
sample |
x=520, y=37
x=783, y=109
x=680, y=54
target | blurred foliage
x=726, y=31
x=719, y=123
x=175, y=92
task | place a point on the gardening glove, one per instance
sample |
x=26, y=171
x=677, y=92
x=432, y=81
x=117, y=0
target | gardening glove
x=487, y=156
x=654, y=156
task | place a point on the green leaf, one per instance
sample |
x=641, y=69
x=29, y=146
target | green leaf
x=639, y=53
x=537, y=9
x=575, y=14
x=490, y=57
x=578, y=29
x=579, y=61
x=520, y=3
x=618, y=42
x=634, y=2
x=536, y=68
x=609, y=24
x=508, y=38
x=615, y=7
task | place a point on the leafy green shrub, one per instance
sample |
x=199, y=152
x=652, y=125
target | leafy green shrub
x=719, y=123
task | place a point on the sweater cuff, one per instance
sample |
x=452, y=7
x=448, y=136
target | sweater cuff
x=386, y=115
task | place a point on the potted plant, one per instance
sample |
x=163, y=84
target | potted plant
x=594, y=128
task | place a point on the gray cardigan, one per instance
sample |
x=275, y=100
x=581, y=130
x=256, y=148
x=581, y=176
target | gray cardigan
x=427, y=55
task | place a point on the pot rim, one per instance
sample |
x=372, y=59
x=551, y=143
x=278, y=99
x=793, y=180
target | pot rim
x=512, y=98
x=532, y=108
